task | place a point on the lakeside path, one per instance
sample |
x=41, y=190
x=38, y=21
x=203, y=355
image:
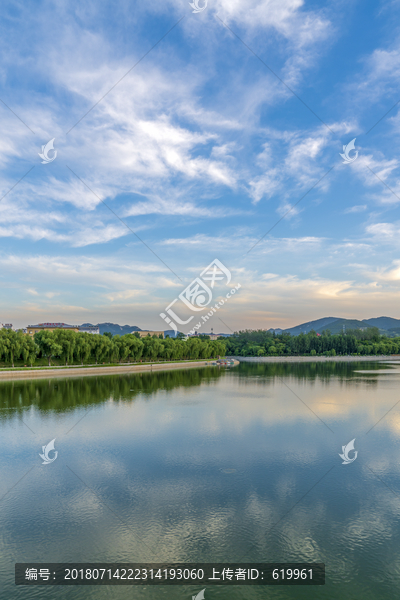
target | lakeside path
x=90, y=371
x=297, y=359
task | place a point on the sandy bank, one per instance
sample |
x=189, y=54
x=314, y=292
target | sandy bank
x=90, y=371
x=297, y=359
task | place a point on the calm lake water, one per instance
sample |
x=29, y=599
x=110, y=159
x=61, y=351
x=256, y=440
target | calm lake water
x=206, y=465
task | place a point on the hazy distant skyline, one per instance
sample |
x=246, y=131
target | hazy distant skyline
x=200, y=149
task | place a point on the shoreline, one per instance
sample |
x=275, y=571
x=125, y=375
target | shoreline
x=296, y=359
x=85, y=371
x=80, y=371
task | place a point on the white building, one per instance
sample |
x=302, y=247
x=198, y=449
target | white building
x=93, y=329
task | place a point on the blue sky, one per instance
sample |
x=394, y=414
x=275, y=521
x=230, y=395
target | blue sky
x=236, y=115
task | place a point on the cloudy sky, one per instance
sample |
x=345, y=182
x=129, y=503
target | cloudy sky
x=183, y=137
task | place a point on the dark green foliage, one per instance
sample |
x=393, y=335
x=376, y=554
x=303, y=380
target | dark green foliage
x=63, y=347
x=355, y=342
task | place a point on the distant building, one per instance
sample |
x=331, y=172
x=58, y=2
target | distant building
x=146, y=333
x=212, y=335
x=32, y=329
x=93, y=329
x=7, y=326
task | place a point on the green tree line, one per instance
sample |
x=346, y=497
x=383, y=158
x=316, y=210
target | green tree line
x=70, y=347
x=354, y=342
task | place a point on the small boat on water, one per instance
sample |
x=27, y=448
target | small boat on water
x=227, y=362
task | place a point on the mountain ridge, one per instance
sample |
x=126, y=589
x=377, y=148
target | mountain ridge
x=113, y=328
x=387, y=325
x=116, y=329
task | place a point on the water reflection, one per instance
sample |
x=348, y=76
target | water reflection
x=206, y=465
x=67, y=394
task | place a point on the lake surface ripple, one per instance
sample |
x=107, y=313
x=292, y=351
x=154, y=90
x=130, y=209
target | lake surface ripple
x=206, y=465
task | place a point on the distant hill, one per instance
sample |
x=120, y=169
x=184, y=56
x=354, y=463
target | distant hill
x=306, y=327
x=114, y=328
x=386, y=325
x=383, y=322
x=341, y=325
x=170, y=333
x=394, y=330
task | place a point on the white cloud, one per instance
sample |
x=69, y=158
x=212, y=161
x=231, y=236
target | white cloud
x=356, y=209
x=302, y=29
x=384, y=233
x=152, y=131
x=382, y=70
x=378, y=172
x=230, y=239
x=285, y=16
x=292, y=162
x=388, y=274
x=183, y=135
